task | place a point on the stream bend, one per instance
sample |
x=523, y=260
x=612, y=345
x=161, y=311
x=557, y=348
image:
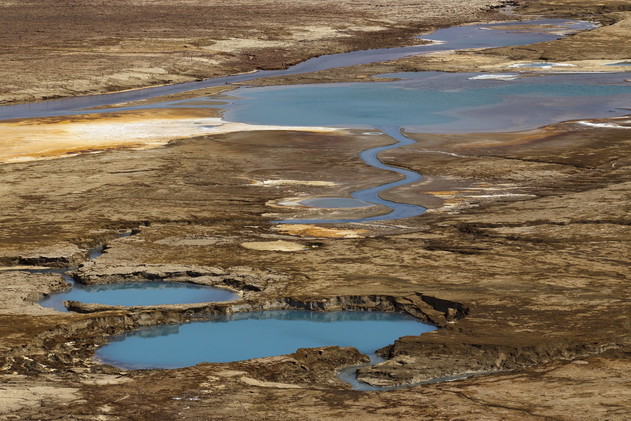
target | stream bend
x=372, y=194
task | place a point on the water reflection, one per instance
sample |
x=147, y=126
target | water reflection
x=433, y=102
x=459, y=37
x=139, y=294
x=244, y=336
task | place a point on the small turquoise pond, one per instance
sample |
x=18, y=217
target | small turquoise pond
x=139, y=294
x=244, y=336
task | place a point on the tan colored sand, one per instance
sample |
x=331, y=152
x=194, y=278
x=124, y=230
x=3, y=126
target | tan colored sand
x=303, y=230
x=19, y=394
x=279, y=245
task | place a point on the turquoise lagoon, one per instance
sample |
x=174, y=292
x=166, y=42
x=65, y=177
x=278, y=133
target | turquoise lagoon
x=243, y=336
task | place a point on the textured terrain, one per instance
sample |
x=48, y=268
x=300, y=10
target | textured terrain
x=72, y=47
x=521, y=259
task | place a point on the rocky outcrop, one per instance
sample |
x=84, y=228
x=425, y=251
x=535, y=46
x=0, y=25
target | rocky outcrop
x=306, y=367
x=421, y=359
x=56, y=255
x=241, y=278
x=429, y=309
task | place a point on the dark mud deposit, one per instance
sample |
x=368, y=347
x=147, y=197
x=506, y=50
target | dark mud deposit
x=521, y=260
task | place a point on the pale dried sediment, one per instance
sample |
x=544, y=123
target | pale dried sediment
x=279, y=245
x=57, y=137
x=315, y=231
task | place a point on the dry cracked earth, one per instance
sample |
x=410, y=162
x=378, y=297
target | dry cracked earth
x=522, y=259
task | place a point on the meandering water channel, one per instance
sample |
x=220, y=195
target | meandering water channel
x=428, y=102
x=458, y=37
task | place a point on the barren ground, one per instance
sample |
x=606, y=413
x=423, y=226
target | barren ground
x=74, y=47
x=522, y=258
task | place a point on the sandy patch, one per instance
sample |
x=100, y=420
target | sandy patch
x=291, y=34
x=303, y=230
x=254, y=382
x=275, y=183
x=187, y=242
x=106, y=379
x=20, y=292
x=279, y=245
x=18, y=396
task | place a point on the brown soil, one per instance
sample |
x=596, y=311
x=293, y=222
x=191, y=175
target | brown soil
x=72, y=47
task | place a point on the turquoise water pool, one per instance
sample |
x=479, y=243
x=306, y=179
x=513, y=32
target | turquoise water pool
x=139, y=294
x=433, y=102
x=254, y=335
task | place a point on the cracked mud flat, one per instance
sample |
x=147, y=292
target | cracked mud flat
x=522, y=259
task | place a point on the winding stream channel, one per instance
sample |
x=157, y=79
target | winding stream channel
x=428, y=102
x=459, y=37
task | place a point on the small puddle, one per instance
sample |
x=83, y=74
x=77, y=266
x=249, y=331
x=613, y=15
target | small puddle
x=244, y=336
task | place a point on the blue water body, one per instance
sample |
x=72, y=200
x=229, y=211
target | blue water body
x=254, y=335
x=620, y=63
x=430, y=102
x=372, y=194
x=139, y=294
x=433, y=102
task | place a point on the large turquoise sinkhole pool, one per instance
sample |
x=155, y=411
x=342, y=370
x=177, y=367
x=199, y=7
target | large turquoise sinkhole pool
x=244, y=336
